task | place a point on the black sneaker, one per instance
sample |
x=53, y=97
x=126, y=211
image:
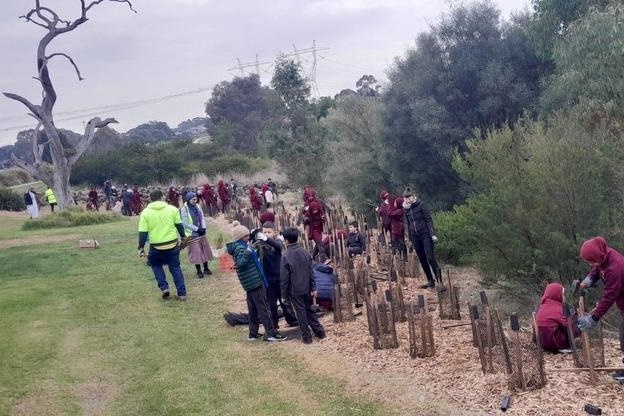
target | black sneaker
x=277, y=337
x=165, y=294
x=207, y=272
x=200, y=275
x=254, y=337
x=321, y=335
x=306, y=340
x=619, y=375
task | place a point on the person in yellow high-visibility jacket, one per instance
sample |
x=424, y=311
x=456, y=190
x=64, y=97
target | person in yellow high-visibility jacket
x=49, y=196
x=162, y=223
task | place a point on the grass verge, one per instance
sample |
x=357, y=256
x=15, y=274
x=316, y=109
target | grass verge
x=85, y=332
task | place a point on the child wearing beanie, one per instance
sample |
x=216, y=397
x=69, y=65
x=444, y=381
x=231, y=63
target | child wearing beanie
x=254, y=282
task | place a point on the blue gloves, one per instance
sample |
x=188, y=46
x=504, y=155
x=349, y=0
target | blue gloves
x=586, y=322
x=587, y=282
x=201, y=231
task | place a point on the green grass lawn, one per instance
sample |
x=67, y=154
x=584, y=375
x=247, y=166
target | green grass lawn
x=85, y=332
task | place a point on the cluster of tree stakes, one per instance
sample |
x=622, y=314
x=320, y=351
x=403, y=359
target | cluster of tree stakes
x=377, y=281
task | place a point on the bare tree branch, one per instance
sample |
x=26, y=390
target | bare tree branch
x=85, y=141
x=95, y=2
x=80, y=78
x=27, y=17
x=40, y=172
x=35, y=109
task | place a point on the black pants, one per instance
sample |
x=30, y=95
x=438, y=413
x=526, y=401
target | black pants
x=426, y=255
x=398, y=246
x=259, y=312
x=306, y=317
x=274, y=295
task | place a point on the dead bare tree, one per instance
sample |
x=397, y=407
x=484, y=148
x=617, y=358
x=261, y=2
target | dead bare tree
x=57, y=174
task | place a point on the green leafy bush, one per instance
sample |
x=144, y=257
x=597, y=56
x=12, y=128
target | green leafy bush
x=71, y=217
x=233, y=163
x=11, y=201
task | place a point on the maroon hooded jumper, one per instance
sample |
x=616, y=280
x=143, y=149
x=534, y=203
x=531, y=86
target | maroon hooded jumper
x=316, y=218
x=384, y=210
x=551, y=322
x=224, y=193
x=397, y=228
x=608, y=265
x=254, y=199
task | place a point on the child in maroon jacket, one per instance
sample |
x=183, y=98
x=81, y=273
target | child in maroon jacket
x=552, y=324
x=397, y=228
x=607, y=264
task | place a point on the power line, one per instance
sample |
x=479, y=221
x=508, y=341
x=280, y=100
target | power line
x=94, y=111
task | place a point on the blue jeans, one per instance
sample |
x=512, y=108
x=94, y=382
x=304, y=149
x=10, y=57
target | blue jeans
x=171, y=257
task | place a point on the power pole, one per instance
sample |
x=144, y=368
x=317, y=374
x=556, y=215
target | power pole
x=313, y=50
x=256, y=64
x=296, y=53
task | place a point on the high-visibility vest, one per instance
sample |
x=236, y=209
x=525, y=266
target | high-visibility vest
x=50, y=196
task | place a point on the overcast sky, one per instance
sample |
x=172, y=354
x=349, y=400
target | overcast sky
x=151, y=65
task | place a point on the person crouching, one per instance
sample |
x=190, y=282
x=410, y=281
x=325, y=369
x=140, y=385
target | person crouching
x=552, y=324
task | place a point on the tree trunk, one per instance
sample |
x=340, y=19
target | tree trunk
x=58, y=176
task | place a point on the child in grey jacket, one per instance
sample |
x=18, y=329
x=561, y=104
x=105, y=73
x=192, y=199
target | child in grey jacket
x=298, y=286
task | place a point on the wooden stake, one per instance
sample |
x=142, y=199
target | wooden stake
x=540, y=353
x=515, y=327
x=589, y=361
x=578, y=370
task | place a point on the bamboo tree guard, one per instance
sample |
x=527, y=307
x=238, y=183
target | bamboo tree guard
x=420, y=331
x=489, y=338
x=476, y=336
x=343, y=299
x=384, y=329
x=540, y=352
x=371, y=288
x=448, y=301
x=527, y=359
x=413, y=265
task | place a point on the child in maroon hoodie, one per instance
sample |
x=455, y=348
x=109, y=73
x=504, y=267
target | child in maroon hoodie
x=552, y=324
x=397, y=228
x=607, y=264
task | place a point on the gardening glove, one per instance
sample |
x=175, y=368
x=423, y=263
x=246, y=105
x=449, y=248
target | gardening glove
x=201, y=231
x=587, y=282
x=434, y=238
x=586, y=322
x=261, y=236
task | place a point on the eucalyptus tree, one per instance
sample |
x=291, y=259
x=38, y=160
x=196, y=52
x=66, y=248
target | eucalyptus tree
x=57, y=173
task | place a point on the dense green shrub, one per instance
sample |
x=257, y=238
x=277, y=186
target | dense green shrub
x=11, y=201
x=71, y=217
x=539, y=193
x=233, y=163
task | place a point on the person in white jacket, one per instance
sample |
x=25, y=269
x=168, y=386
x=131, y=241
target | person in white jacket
x=30, y=199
